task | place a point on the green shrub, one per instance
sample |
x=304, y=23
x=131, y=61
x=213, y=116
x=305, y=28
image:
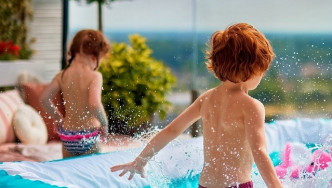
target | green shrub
x=134, y=83
x=269, y=91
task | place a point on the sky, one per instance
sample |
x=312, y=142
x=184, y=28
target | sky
x=211, y=15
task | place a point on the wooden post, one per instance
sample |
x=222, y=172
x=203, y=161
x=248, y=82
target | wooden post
x=195, y=128
x=100, y=16
x=65, y=8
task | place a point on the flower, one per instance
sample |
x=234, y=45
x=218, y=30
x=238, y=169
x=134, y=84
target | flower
x=13, y=49
x=3, y=47
x=9, y=50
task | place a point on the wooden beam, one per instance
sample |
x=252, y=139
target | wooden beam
x=65, y=11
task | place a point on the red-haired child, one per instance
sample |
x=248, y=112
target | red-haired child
x=80, y=85
x=233, y=122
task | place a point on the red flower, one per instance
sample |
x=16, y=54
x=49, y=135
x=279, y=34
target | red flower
x=3, y=47
x=9, y=48
x=10, y=43
x=14, y=49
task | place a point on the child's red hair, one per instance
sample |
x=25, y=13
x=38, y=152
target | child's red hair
x=238, y=53
x=89, y=42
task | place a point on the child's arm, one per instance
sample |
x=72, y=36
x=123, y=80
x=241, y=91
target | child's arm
x=96, y=106
x=170, y=132
x=254, y=114
x=46, y=99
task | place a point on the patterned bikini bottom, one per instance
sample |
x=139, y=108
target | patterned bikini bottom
x=78, y=142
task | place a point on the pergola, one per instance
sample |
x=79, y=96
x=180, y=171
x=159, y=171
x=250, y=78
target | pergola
x=65, y=11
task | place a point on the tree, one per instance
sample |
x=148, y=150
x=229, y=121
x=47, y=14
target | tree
x=100, y=10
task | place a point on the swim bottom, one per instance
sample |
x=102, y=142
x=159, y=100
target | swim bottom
x=78, y=142
x=248, y=184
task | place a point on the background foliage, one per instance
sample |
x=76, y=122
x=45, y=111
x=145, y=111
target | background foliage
x=135, y=84
x=298, y=83
x=13, y=17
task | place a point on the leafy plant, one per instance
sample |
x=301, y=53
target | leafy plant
x=13, y=29
x=135, y=84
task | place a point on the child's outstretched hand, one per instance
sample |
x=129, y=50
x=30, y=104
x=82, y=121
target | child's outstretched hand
x=132, y=168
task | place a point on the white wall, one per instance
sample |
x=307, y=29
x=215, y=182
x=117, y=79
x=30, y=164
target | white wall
x=46, y=28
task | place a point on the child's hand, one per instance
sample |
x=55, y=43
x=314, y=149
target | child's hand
x=132, y=167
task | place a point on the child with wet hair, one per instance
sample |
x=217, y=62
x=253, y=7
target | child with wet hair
x=233, y=122
x=80, y=84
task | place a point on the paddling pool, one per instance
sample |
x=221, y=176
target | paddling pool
x=178, y=165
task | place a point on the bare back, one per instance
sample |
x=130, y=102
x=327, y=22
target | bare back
x=75, y=85
x=227, y=155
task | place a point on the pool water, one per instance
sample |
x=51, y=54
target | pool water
x=322, y=179
x=179, y=164
x=158, y=177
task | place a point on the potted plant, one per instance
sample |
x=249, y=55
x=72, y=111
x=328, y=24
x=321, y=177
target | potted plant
x=134, y=86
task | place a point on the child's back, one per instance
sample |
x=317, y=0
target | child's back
x=227, y=154
x=75, y=86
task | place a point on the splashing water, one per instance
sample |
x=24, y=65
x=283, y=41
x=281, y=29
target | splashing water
x=180, y=163
x=168, y=168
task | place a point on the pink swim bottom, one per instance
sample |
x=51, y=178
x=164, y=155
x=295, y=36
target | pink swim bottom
x=78, y=142
x=248, y=184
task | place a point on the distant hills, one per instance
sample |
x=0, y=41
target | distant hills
x=292, y=50
x=297, y=55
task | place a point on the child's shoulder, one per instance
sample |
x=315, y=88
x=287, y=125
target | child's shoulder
x=251, y=103
x=206, y=94
x=91, y=75
x=58, y=76
x=96, y=75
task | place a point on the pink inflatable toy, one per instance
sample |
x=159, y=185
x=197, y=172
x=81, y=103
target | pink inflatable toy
x=319, y=161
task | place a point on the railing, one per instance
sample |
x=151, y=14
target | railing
x=9, y=71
